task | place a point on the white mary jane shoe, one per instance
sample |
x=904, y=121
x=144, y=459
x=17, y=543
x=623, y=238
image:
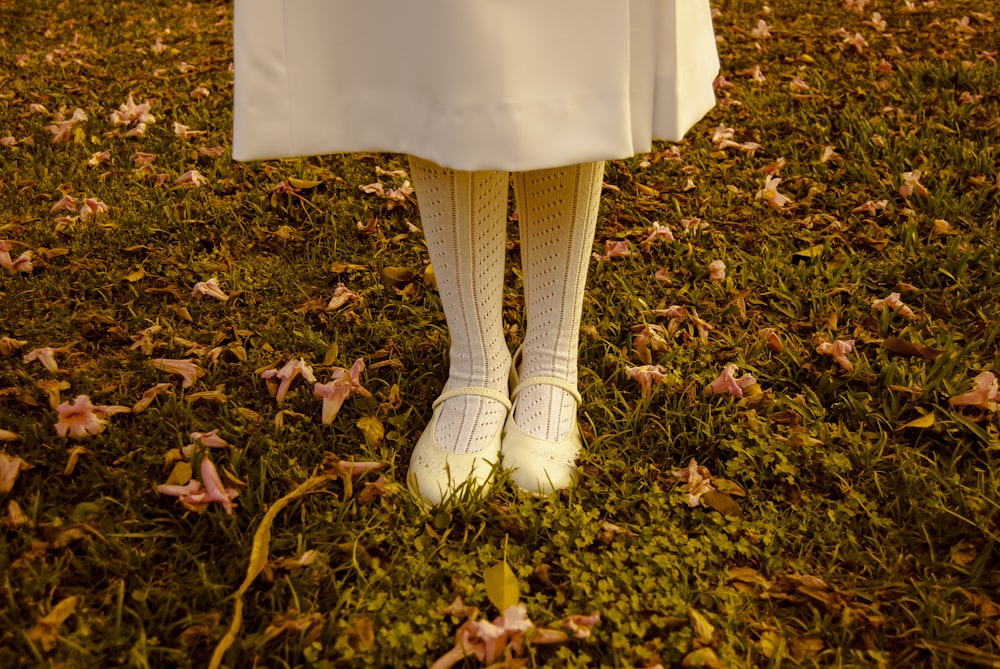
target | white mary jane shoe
x=540, y=466
x=436, y=474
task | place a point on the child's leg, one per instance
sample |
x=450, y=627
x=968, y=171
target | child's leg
x=464, y=217
x=557, y=210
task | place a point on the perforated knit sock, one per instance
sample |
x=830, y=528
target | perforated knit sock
x=557, y=211
x=464, y=216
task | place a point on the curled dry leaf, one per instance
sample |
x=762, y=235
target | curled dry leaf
x=52, y=390
x=149, y=395
x=8, y=345
x=10, y=467
x=46, y=629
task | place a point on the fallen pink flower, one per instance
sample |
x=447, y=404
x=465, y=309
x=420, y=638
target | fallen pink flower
x=144, y=339
x=149, y=395
x=894, y=302
x=581, y=625
x=717, y=271
x=839, y=350
x=769, y=193
x=774, y=169
x=10, y=467
x=189, y=369
x=693, y=224
x=985, y=394
x=196, y=497
x=61, y=126
x=45, y=355
x=138, y=131
x=727, y=383
x=341, y=296
x=754, y=73
x=358, y=468
x=287, y=374
x=720, y=134
x=192, y=177
x=8, y=345
x=20, y=264
x=143, y=159
x=210, y=439
x=199, y=93
x=911, y=184
x=211, y=151
x=870, y=207
x=485, y=640
x=828, y=153
x=36, y=108
x=158, y=46
x=333, y=394
x=184, y=132
x=211, y=289
x=400, y=194
x=877, y=22
x=614, y=249
x=9, y=140
x=773, y=341
x=698, y=479
x=762, y=31
x=660, y=232
x=798, y=84
x=856, y=40
x=92, y=207
x=66, y=202
x=129, y=112
x=78, y=418
x=646, y=376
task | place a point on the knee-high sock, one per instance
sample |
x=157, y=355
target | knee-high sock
x=464, y=217
x=557, y=211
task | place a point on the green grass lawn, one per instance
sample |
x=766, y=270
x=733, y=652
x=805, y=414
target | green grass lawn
x=858, y=514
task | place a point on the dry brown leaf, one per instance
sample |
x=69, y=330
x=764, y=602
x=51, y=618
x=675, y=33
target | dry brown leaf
x=46, y=630
x=903, y=347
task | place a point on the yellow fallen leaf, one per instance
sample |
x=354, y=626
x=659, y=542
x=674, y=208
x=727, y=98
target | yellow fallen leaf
x=46, y=630
x=258, y=560
x=924, y=421
x=372, y=429
x=501, y=585
x=135, y=275
x=303, y=183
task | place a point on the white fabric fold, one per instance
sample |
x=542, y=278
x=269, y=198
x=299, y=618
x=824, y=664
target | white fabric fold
x=470, y=84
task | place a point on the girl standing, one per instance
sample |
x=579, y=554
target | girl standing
x=474, y=91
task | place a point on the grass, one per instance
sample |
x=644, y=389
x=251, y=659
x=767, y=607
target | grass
x=858, y=543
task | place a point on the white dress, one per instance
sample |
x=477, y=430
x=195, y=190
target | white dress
x=470, y=84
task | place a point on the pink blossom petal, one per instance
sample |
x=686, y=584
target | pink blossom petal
x=985, y=394
x=78, y=418
x=839, y=350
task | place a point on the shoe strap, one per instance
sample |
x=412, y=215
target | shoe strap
x=479, y=391
x=548, y=381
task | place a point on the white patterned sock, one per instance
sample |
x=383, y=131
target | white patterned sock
x=557, y=211
x=464, y=216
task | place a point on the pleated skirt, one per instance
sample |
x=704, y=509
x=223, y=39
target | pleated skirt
x=470, y=84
